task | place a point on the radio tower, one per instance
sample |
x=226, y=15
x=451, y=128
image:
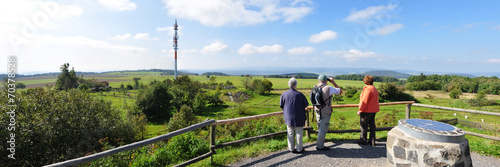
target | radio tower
x=175, y=47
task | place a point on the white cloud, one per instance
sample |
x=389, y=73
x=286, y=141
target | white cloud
x=81, y=41
x=214, y=47
x=387, y=29
x=323, y=36
x=250, y=49
x=122, y=37
x=241, y=12
x=15, y=11
x=369, y=12
x=494, y=60
x=301, y=50
x=141, y=36
x=351, y=55
x=118, y=5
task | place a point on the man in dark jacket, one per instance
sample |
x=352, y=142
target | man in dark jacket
x=294, y=106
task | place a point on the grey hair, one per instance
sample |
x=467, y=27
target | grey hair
x=292, y=83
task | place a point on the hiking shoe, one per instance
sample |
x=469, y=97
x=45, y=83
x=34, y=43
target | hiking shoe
x=361, y=142
x=300, y=152
x=294, y=151
x=323, y=149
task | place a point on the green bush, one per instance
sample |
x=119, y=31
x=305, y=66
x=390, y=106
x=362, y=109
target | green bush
x=53, y=126
x=389, y=91
x=455, y=93
x=181, y=119
x=241, y=109
x=20, y=85
x=261, y=86
x=350, y=92
x=155, y=101
x=179, y=148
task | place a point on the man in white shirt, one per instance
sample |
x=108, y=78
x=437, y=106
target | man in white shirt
x=323, y=113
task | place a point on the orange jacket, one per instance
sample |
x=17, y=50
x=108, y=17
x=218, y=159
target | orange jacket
x=368, y=100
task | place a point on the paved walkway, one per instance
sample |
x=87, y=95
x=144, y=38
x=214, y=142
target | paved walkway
x=342, y=153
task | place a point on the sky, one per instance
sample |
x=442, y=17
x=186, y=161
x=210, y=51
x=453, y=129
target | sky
x=107, y=35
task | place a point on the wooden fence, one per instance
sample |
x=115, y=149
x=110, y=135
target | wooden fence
x=214, y=123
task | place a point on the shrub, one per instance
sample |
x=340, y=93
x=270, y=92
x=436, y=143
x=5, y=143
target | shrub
x=83, y=86
x=389, y=91
x=53, y=126
x=181, y=119
x=241, y=109
x=261, y=86
x=20, y=85
x=155, y=101
x=179, y=148
x=130, y=87
x=455, y=93
x=350, y=92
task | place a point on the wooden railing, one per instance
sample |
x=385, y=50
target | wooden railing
x=214, y=123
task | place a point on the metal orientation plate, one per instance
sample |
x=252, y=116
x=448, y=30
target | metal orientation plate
x=431, y=130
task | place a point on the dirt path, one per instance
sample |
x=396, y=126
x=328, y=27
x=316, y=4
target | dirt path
x=343, y=153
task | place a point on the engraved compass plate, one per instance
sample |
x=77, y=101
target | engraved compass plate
x=431, y=130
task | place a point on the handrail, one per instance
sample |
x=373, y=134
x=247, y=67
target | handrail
x=88, y=158
x=357, y=105
x=457, y=109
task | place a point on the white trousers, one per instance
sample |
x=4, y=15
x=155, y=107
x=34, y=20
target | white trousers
x=323, y=124
x=299, y=131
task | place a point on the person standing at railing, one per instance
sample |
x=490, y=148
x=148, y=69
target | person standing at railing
x=368, y=107
x=324, y=113
x=293, y=104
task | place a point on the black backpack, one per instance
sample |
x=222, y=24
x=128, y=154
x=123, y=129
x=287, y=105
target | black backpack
x=317, y=96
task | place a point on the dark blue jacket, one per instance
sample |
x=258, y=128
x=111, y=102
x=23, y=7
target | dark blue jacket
x=294, y=106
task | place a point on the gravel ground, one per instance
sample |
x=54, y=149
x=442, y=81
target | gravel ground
x=342, y=153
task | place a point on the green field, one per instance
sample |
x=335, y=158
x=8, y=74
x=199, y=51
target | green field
x=343, y=118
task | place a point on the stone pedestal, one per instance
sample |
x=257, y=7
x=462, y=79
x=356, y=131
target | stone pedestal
x=422, y=143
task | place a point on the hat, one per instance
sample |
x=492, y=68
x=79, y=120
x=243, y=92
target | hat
x=322, y=78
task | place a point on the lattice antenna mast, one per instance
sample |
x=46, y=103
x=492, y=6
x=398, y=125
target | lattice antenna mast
x=175, y=47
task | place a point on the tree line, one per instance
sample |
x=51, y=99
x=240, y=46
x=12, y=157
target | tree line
x=359, y=77
x=490, y=85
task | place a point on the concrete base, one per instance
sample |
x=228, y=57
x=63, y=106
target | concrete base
x=404, y=150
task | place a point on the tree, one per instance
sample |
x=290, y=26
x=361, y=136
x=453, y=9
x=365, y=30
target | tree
x=155, y=101
x=20, y=85
x=54, y=126
x=67, y=79
x=247, y=82
x=481, y=95
x=136, y=82
x=455, y=93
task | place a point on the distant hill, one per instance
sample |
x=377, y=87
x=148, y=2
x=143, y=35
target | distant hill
x=296, y=75
x=386, y=73
x=214, y=74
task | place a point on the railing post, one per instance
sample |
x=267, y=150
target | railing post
x=212, y=142
x=307, y=124
x=408, y=111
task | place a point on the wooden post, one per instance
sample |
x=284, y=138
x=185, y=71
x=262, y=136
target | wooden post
x=408, y=111
x=212, y=142
x=307, y=123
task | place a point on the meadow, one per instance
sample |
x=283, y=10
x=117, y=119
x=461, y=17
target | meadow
x=342, y=118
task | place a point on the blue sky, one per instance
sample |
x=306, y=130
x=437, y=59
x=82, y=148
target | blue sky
x=104, y=35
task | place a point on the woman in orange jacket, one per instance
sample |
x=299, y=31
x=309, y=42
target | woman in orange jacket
x=368, y=107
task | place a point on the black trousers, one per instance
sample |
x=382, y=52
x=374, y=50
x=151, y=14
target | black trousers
x=365, y=120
